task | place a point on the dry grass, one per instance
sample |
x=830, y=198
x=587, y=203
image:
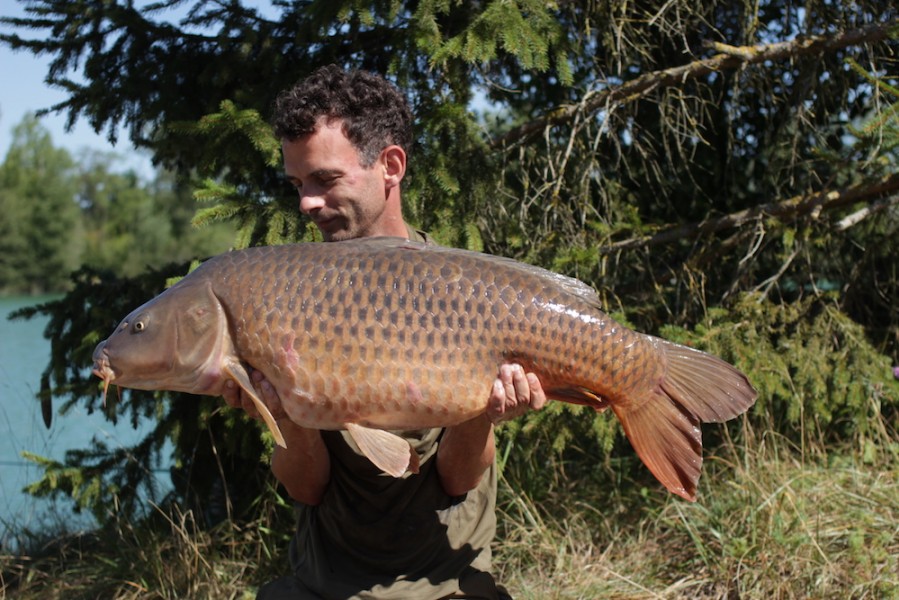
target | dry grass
x=168, y=558
x=766, y=526
x=769, y=527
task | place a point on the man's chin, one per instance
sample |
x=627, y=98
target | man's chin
x=332, y=231
x=336, y=236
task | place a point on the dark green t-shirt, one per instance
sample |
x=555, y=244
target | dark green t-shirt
x=375, y=536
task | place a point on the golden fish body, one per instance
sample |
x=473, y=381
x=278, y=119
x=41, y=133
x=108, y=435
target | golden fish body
x=387, y=334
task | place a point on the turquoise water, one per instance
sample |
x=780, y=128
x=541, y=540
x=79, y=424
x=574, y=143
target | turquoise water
x=24, y=354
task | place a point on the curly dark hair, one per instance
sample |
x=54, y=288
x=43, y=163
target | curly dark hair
x=374, y=112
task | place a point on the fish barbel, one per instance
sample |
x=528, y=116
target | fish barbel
x=385, y=334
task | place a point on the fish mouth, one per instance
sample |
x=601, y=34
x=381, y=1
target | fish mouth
x=102, y=368
x=103, y=371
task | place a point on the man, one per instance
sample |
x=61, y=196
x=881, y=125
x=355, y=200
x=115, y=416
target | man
x=345, y=138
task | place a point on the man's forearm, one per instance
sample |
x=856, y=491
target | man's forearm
x=304, y=467
x=466, y=451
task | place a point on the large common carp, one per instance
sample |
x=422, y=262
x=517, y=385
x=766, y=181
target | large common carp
x=387, y=334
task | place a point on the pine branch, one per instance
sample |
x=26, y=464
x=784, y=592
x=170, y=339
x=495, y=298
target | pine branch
x=728, y=58
x=794, y=207
x=865, y=212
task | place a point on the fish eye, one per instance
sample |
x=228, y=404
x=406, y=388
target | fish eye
x=140, y=323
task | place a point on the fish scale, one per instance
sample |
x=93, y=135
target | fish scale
x=386, y=334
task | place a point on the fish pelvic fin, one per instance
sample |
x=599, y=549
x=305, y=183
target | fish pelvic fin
x=387, y=451
x=239, y=374
x=664, y=429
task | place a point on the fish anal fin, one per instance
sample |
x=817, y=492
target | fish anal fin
x=240, y=376
x=387, y=451
x=667, y=439
x=578, y=395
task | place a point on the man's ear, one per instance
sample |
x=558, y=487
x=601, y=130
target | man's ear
x=393, y=158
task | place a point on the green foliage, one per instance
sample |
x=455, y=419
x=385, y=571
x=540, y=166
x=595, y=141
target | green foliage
x=230, y=131
x=528, y=30
x=438, y=199
x=130, y=225
x=882, y=127
x=38, y=214
x=58, y=214
x=247, y=142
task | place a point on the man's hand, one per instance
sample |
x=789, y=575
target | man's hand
x=514, y=393
x=236, y=397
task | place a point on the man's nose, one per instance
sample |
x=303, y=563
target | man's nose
x=311, y=202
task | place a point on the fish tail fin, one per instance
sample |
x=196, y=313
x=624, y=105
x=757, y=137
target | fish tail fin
x=710, y=388
x=667, y=439
x=664, y=428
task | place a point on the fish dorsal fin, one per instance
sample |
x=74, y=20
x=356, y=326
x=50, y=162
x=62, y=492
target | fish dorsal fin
x=387, y=451
x=239, y=374
x=571, y=285
x=383, y=241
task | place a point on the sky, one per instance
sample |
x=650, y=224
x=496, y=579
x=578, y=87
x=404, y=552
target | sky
x=23, y=91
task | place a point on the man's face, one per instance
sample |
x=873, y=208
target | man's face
x=343, y=198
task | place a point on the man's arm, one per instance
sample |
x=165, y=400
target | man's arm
x=304, y=467
x=468, y=449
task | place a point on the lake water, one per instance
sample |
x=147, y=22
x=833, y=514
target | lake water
x=24, y=354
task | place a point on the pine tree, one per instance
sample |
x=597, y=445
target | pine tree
x=40, y=214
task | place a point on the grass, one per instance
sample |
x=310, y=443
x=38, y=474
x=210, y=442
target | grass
x=768, y=524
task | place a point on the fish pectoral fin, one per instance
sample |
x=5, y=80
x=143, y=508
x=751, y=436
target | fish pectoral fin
x=239, y=374
x=387, y=451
